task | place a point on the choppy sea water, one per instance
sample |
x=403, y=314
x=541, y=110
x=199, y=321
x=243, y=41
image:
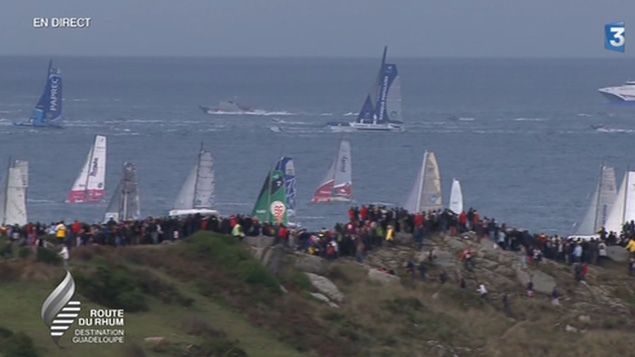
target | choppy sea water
x=517, y=133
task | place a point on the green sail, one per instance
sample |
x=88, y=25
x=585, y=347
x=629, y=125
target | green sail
x=271, y=206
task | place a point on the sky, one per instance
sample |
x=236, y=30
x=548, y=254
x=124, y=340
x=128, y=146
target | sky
x=317, y=28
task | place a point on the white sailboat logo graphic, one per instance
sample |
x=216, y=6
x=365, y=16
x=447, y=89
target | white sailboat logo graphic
x=58, y=311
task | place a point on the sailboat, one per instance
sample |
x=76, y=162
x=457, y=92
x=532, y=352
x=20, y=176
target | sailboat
x=48, y=109
x=381, y=110
x=197, y=195
x=286, y=166
x=425, y=194
x=456, y=197
x=271, y=205
x=337, y=186
x=124, y=204
x=623, y=210
x=13, y=197
x=601, y=204
x=90, y=185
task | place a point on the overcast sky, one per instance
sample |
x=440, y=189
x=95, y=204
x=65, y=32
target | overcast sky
x=325, y=28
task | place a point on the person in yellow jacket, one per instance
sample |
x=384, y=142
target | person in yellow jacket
x=631, y=246
x=60, y=231
x=237, y=231
x=390, y=234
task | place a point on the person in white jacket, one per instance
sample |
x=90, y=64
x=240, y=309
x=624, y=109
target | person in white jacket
x=65, y=255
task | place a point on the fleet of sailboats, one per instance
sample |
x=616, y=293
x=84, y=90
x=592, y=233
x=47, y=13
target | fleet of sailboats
x=90, y=185
x=337, y=186
x=124, y=204
x=48, y=109
x=13, y=196
x=426, y=194
x=197, y=194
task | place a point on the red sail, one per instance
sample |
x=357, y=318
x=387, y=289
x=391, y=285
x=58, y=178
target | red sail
x=324, y=193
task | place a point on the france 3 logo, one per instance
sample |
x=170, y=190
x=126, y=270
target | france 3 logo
x=615, y=37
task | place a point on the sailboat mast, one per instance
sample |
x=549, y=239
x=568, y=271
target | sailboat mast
x=198, y=171
x=421, y=181
x=90, y=162
x=268, y=208
x=597, y=200
x=6, y=193
x=625, y=196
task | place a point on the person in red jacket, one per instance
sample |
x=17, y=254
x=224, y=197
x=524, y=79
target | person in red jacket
x=463, y=221
x=352, y=216
x=363, y=213
x=420, y=220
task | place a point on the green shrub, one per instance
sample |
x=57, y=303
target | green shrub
x=47, y=256
x=18, y=345
x=114, y=288
x=24, y=252
x=234, y=259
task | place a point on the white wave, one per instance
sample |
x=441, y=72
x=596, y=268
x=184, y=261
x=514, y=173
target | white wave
x=350, y=114
x=79, y=100
x=231, y=203
x=584, y=115
x=10, y=111
x=310, y=217
x=255, y=112
x=41, y=201
x=326, y=114
x=276, y=129
x=529, y=119
x=466, y=119
x=614, y=130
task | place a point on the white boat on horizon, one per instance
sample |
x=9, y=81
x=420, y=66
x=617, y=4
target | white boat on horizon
x=623, y=93
x=381, y=110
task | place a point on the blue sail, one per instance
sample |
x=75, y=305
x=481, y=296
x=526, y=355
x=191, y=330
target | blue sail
x=48, y=110
x=387, y=105
x=367, y=114
x=387, y=75
x=285, y=165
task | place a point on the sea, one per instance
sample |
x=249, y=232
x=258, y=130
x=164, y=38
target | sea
x=521, y=135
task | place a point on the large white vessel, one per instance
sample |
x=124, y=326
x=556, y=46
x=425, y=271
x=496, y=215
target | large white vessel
x=381, y=110
x=625, y=92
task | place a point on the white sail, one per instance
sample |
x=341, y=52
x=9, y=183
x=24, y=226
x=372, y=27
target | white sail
x=14, y=204
x=205, y=184
x=198, y=190
x=185, y=198
x=425, y=194
x=343, y=175
x=623, y=209
x=601, y=203
x=90, y=185
x=456, y=197
x=124, y=204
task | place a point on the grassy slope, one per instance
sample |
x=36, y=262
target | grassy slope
x=410, y=318
x=21, y=302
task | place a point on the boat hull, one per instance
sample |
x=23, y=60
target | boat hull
x=619, y=94
x=367, y=127
x=187, y=212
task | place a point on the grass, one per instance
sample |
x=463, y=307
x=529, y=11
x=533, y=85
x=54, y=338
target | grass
x=211, y=297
